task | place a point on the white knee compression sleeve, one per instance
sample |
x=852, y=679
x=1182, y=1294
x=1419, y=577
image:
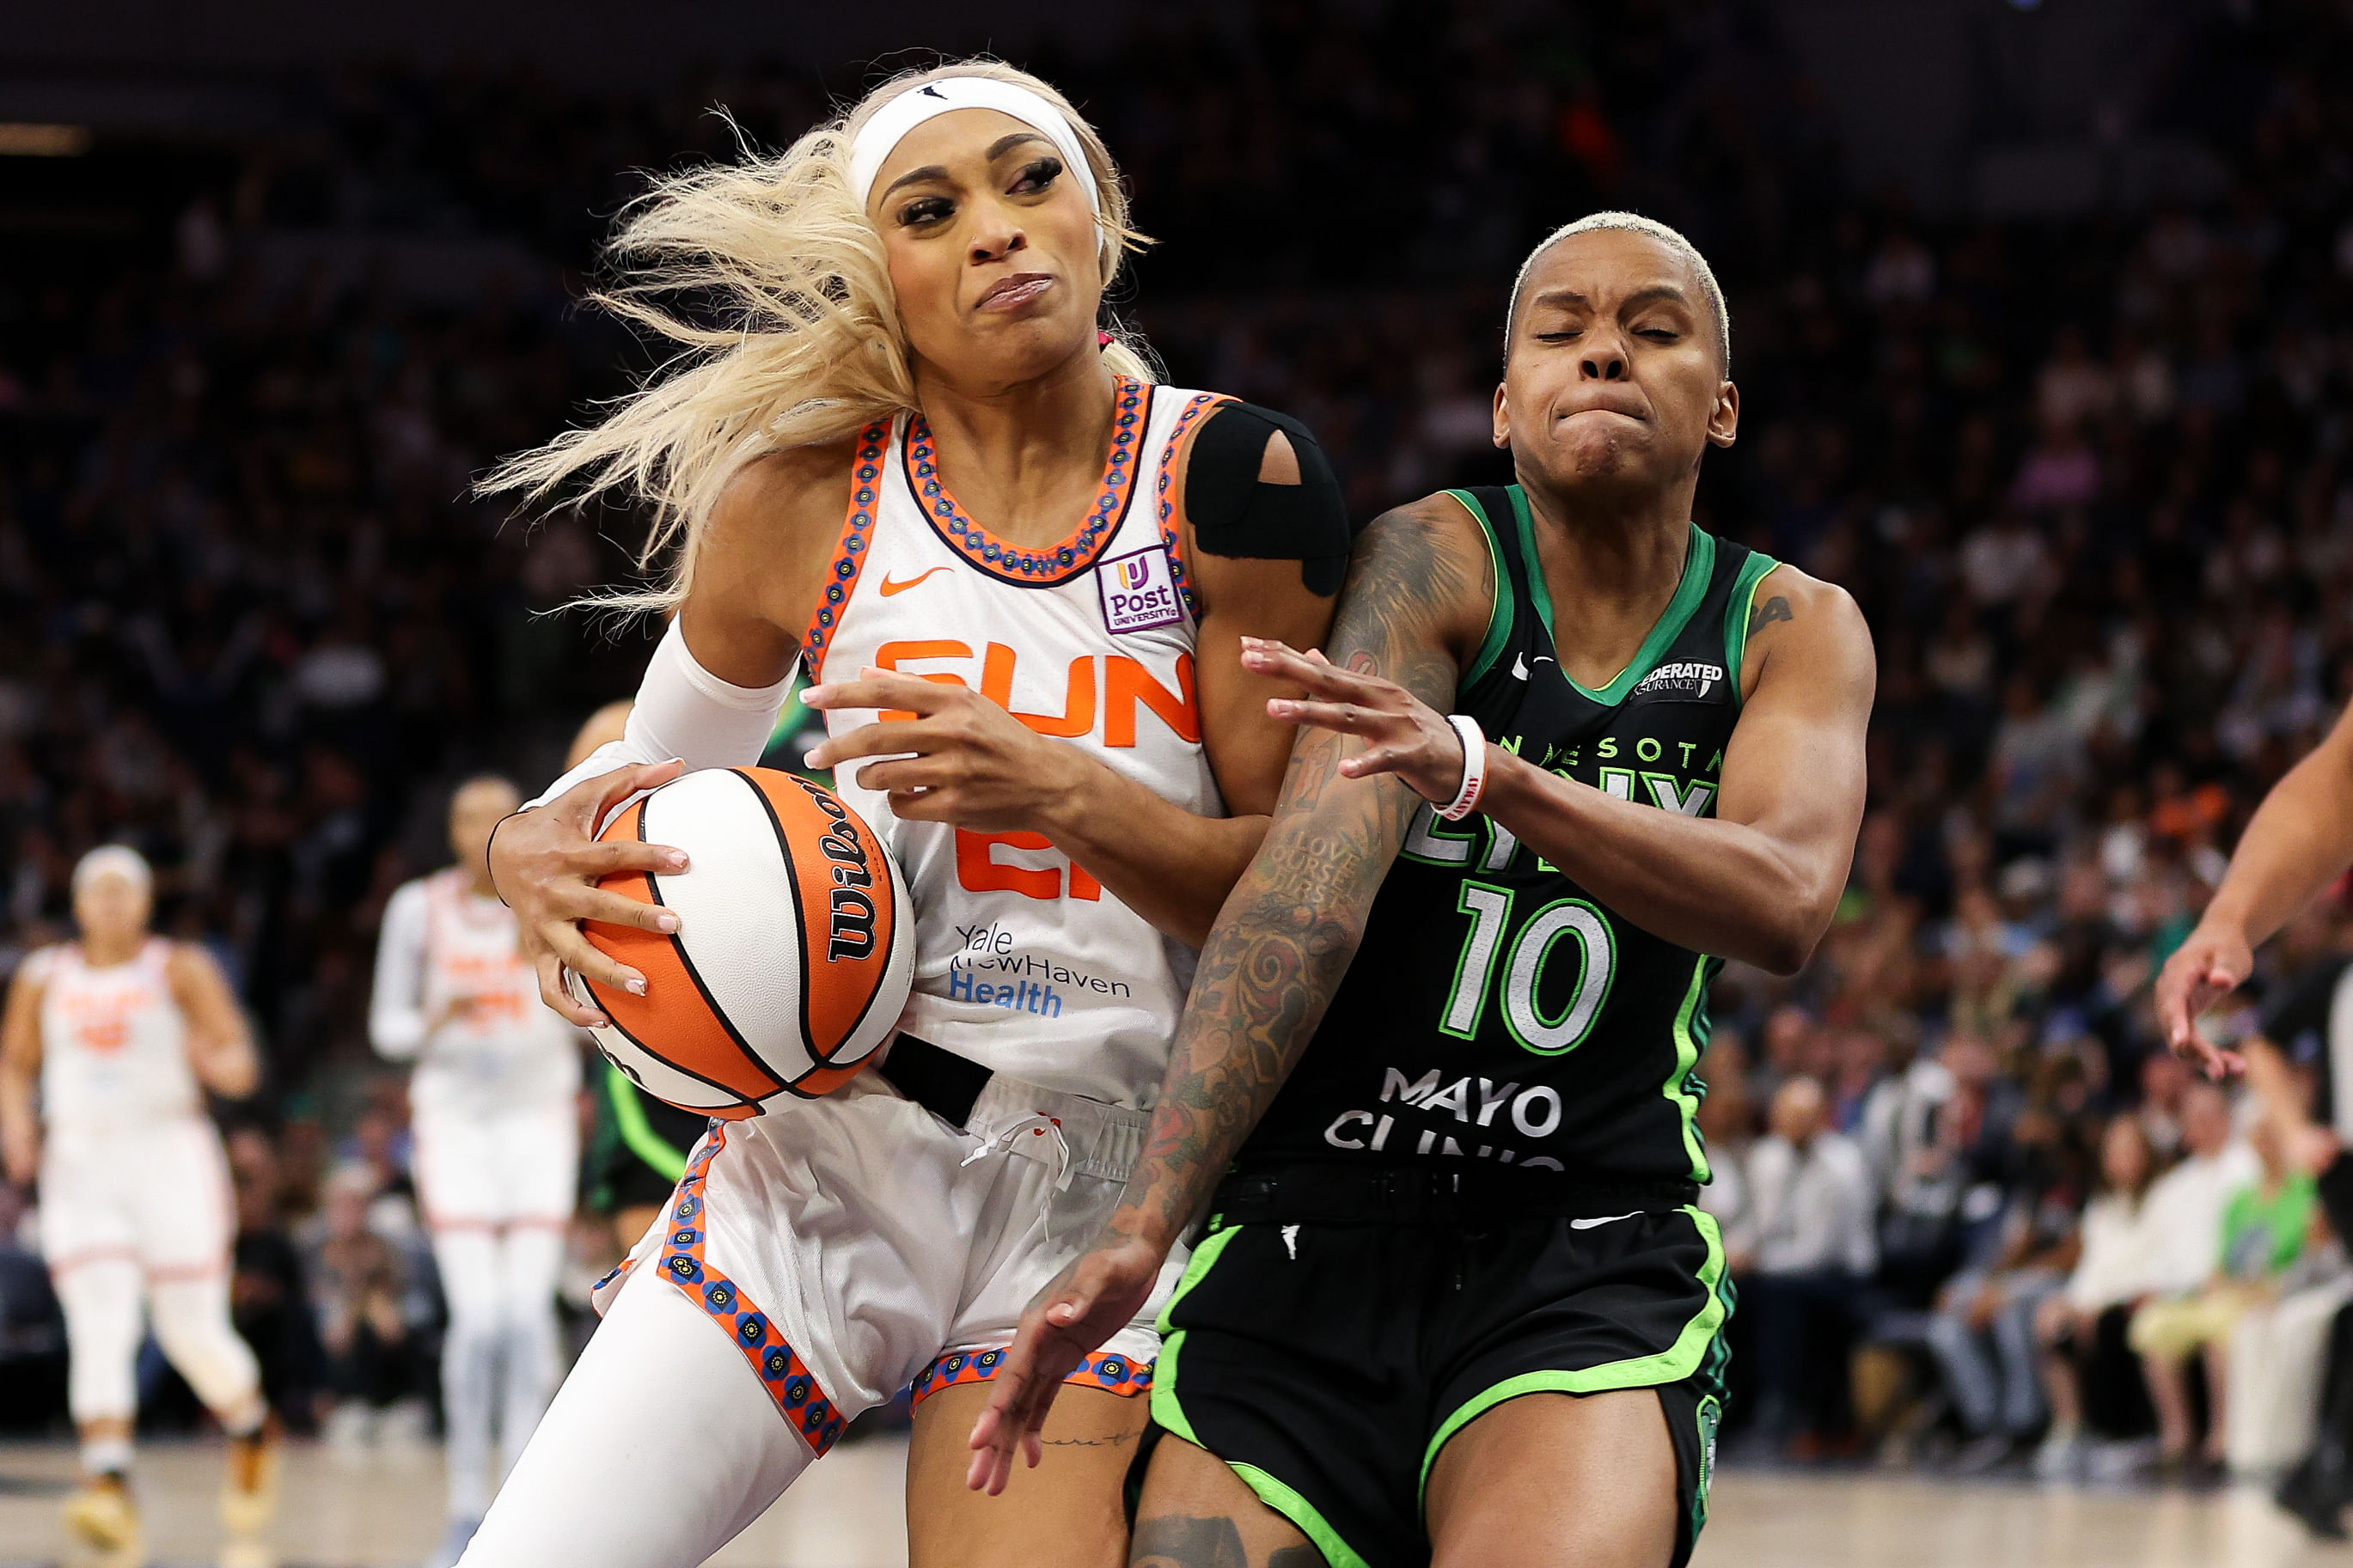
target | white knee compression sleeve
x=660, y=1448
x=100, y=1299
x=192, y=1325
x=684, y=710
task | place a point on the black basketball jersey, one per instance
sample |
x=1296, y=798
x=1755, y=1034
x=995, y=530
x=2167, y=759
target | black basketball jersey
x=1495, y=1011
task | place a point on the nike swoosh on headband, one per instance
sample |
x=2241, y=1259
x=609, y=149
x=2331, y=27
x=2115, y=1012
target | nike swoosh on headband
x=889, y=126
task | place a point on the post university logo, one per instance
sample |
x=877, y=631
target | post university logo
x=1139, y=592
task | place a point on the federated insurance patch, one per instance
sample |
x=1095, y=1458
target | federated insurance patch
x=1686, y=681
x=1139, y=592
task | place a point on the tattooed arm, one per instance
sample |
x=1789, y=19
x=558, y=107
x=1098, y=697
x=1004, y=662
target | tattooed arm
x=1757, y=881
x=1418, y=592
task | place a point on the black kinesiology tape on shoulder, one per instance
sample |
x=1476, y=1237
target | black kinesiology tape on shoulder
x=1234, y=513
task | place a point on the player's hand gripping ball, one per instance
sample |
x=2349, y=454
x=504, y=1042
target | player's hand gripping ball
x=794, y=952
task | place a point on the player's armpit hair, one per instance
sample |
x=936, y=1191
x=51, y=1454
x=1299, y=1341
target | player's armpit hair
x=1235, y=513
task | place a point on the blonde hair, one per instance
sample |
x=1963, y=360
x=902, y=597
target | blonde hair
x=1650, y=227
x=806, y=346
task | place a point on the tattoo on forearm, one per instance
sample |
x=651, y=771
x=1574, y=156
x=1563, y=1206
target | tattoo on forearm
x=1776, y=608
x=1269, y=971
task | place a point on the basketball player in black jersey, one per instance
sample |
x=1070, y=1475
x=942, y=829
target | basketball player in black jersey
x=1434, y=1087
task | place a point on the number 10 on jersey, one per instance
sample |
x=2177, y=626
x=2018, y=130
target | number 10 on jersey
x=1575, y=924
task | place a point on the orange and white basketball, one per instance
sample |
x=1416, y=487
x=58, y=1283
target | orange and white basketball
x=794, y=952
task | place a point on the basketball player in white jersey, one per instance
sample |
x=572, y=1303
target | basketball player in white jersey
x=1020, y=572
x=494, y=1109
x=124, y=1032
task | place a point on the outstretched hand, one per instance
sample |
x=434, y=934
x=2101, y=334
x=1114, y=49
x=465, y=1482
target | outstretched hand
x=2201, y=972
x=1087, y=1304
x=1402, y=735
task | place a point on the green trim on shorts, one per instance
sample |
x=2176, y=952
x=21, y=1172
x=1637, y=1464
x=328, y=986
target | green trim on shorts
x=1674, y=1364
x=1169, y=1416
x=1337, y=1553
x=1166, y=1411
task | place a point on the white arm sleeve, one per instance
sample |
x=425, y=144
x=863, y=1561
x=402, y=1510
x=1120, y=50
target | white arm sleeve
x=396, y=1004
x=685, y=711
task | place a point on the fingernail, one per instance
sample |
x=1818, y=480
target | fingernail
x=674, y=859
x=815, y=696
x=814, y=758
x=674, y=760
x=598, y=1021
x=666, y=921
x=635, y=985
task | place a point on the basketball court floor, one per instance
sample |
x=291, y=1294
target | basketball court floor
x=381, y=1509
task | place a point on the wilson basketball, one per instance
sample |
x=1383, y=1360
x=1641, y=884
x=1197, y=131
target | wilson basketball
x=793, y=955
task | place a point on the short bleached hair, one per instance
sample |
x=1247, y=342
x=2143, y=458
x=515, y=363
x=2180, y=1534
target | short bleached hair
x=1650, y=228
x=114, y=861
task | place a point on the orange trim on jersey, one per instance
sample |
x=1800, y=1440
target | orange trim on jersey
x=1172, y=538
x=1024, y=568
x=849, y=552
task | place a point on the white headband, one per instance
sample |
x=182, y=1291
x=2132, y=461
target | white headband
x=116, y=859
x=889, y=125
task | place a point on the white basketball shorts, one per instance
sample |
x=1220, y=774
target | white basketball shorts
x=854, y=1244
x=156, y=1195
x=516, y=1166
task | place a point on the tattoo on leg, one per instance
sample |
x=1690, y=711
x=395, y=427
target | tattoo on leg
x=1776, y=608
x=1116, y=1441
x=1185, y=1543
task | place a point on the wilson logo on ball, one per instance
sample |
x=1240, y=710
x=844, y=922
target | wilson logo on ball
x=794, y=952
x=851, y=932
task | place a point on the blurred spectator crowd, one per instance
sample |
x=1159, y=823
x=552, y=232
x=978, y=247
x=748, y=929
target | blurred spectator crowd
x=2088, y=479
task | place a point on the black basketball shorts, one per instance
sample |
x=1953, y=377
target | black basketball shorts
x=1329, y=1363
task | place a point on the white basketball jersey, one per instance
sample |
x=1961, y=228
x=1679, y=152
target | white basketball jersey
x=507, y=1050
x=1024, y=963
x=114, y=1046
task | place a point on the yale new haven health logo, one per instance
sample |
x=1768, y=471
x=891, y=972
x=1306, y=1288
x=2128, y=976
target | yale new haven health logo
x=1139, y=592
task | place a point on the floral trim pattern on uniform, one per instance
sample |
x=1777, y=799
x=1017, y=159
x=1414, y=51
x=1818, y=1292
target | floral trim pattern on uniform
x=857, y=532
x=782, y=1372
x=1201, y=402
x=1116, y=1374
x=1010, y=562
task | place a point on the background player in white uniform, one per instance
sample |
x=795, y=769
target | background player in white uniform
x=494, y=1107
x=124, y=1032
x=915, y=464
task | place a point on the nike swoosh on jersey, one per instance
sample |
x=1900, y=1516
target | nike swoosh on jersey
x=891, y=587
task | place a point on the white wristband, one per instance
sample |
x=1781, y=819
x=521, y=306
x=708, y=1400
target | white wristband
x=1474, y=768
